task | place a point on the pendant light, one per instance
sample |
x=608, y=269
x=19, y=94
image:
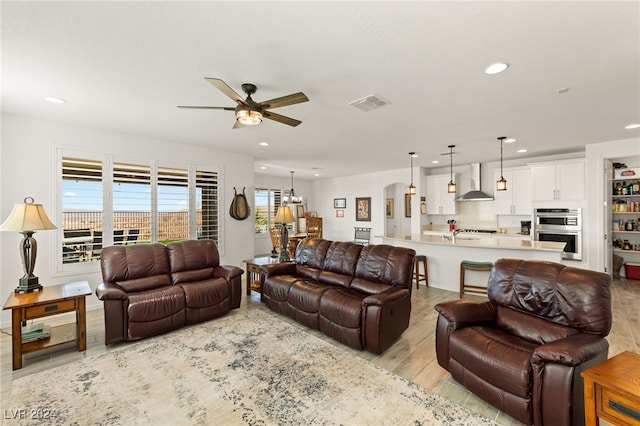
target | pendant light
x=451, y=187
x=291, y=198
x=501, y=184
x=412, y=188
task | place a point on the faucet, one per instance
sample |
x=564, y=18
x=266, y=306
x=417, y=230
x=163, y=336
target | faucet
x=454, y=233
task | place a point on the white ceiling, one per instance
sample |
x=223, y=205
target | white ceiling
x=125, y=66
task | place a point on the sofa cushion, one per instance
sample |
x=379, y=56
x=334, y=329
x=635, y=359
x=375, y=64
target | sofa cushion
x=207, y=299
x=340, y=263
x=155, y=304
x=342, y=306
x=137, y=267
x=562, y=294
x=382, y=266
x=531, y=327
x=495, y=356
x=305, y=295
x=310, y=256
x=192, y=260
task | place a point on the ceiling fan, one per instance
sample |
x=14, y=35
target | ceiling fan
x=249, y=112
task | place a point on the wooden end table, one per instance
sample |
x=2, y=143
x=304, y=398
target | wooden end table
x=51, y=300
x=612, y=390
x=253, y=271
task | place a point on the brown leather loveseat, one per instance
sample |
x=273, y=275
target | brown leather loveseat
x=151, y=289
x=358, y=295
x=524, y=349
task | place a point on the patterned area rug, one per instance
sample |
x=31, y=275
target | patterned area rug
x=248, y=369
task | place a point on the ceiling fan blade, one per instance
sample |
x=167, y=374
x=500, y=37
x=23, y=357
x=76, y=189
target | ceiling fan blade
x=224, y=88
x=294, y=98
x=281, y=118
x=206, y=107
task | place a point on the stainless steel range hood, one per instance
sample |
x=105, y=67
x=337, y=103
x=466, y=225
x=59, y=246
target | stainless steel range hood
x=475, y=194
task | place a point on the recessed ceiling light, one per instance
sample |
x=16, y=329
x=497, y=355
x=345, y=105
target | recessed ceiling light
x=55, y=100
x=510, y=140
x=316, y=174
x=435, y=162
x=264, y=144
x=521, y=150
x=263, y=168
x=632, y=126
x=496, y=68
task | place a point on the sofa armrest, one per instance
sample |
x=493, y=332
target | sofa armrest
x=571, y=351
x=285, y=268
x=390, y=296
x=228, y=272
x=110, y=291
x=461, y=313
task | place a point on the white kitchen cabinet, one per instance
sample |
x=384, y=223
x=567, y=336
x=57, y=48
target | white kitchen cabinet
x=439, y=201
x=563, y=180
x=516, y=200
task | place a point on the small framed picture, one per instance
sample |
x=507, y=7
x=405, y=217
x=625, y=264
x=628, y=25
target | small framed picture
x=339, y=213
x=339, y=203
x=389, y=208
x=363, y=209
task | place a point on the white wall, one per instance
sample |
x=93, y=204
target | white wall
x=28, y=169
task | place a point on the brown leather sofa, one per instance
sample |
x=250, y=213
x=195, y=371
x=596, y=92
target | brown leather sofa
x=358, y=295
x=151, y=289
x=524, y=349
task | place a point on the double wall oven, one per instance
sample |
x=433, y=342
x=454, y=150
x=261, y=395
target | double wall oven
x=560, y=225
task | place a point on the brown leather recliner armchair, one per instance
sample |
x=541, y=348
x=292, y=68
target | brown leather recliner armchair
x=524, y=349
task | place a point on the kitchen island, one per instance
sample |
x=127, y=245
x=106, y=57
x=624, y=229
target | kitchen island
x=444, y=254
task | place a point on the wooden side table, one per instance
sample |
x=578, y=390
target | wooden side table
x=612, y=390
x=253, y=271
x=51, y=300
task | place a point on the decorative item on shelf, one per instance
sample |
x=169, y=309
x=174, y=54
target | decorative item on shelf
x=291, y=197
x=451, y=187
x=284, y=216
x=27, y=218
x=389, y=208
x=501, y=184
x=412, y=188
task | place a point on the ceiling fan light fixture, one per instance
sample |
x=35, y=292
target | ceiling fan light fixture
x=248, y=117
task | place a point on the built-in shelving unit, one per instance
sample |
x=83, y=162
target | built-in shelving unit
x=626, y=218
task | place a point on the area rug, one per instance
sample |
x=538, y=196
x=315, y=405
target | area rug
x=249, y=368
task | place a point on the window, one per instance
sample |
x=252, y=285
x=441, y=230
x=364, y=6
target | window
x=267, y=202
x=107, y=202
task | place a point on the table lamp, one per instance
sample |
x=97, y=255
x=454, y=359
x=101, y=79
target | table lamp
x=27, y=218
x=284, y=216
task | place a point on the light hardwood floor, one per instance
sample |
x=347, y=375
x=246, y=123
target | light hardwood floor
x=412, y=357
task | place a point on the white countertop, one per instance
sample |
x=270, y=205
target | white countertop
x=472, y=241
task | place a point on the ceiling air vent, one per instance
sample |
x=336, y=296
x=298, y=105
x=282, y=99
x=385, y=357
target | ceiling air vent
x=369, y=103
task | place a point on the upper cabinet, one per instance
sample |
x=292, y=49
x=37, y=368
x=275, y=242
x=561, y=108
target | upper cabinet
x=563, y=180
x=439, y=201
x=516, y=200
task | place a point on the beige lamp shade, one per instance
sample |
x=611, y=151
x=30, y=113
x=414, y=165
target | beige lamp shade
x=27, y=217
x=284, y=215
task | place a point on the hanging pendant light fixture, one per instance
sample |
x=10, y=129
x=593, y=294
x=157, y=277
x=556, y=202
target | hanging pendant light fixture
x=291, y=198
x=412, y=188
x=501, y=184
x=451, y=187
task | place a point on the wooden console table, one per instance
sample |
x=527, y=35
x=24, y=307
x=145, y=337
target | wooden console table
x=253, y=271
x=51, y=300
x=612, y=390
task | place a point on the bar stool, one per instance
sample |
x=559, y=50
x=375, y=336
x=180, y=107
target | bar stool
x=467, y=265
x=416, y=270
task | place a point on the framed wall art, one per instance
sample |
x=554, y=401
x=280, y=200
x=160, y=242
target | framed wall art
x=339, y=203
x=339, y=213
x=389, y=208
x=363, y=209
